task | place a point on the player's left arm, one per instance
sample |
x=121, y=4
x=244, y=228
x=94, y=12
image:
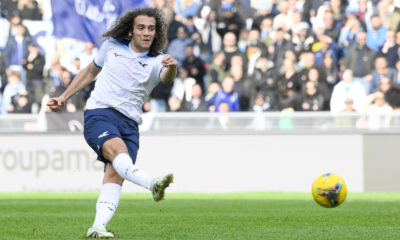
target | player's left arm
x=168, y=71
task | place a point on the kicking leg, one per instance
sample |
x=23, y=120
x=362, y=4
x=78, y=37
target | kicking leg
x=116, y=151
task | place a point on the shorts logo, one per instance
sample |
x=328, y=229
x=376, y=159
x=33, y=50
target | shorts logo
x=103, y=134
x=117, y=55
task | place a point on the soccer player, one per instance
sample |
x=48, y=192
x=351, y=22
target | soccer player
x=128, y=66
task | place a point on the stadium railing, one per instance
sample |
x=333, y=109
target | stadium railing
x=222, y=122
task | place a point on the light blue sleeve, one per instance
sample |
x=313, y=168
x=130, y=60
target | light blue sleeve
x=101, y=55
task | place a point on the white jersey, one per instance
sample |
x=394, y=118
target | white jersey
x=126, y=79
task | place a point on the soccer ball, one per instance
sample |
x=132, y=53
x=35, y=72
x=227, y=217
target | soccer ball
x=329, y=190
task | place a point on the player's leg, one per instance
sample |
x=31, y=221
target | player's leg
x=99, y=127
x=122, y=154
x=116, y=152
x=159, y=184
x=107, y=202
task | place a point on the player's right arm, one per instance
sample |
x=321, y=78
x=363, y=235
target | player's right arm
x=84, y=78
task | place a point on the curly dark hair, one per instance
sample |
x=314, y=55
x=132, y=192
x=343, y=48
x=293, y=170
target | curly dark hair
x=124, y=25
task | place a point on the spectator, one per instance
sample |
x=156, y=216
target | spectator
x=288, y=85
x=243, y=38
x=376, y=35
x=230, y=21
x=217, y=69
x=13, y=87
x=182, y=87
x=16, y=50
x=223, y=107
x=396, y=77
x=160, y=4
x=381, y=70
x=4, y=31
x=390, y=49
x=348, y=88
x=338, y=12
x=75, y=103
x=15, y=21
x=296, y=21
x=310, y=9
x=329, y=40
x=194, y=66
x=384, y=10
x=348, y=35
x=329, y=71
x=395, y=17
x=54, y=74
x=349, y=105
x=281, y=45
x=311, y=99
x=331, y=28
x=184, y=9
x=72, y=48
x=177, y=47
x=398, y=37
x=377, y=112
x=212, y=89
x=225, y=95
x=254, y=50
x=20, y=103
x=360, y=60
x=366, y=10
x=266, y=82
x=243, y=86
x=320, y=85
x=267, y=32
x=302, y=39
x=173, y=24
x=174, y=104
x=197, y=102
x=34, y=64
x=263, y=11
x=306, y=62
x=9, y=8
x=324, y=46
x=384, y=85
x=208, y=30
x=200, y=49
x=260, y=104
x=345, y=118
x=29, y=9
x=188, y=22
x=229, y=49
x=290, y=55
x=76, y=67
x=284, y=19
x=87, y=56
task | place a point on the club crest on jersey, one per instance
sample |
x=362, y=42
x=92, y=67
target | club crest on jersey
x=142, y=64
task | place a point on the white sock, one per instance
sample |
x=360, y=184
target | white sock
x=126, y=169
x=107, y=203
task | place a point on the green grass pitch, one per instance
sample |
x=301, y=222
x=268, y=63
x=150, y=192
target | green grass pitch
x=202, y=216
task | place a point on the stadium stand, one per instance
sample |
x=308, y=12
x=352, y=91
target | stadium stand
x=283, y=56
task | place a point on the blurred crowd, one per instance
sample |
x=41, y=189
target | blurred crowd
x=234, y=55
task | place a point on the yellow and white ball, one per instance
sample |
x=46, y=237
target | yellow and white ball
x=329, y=190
